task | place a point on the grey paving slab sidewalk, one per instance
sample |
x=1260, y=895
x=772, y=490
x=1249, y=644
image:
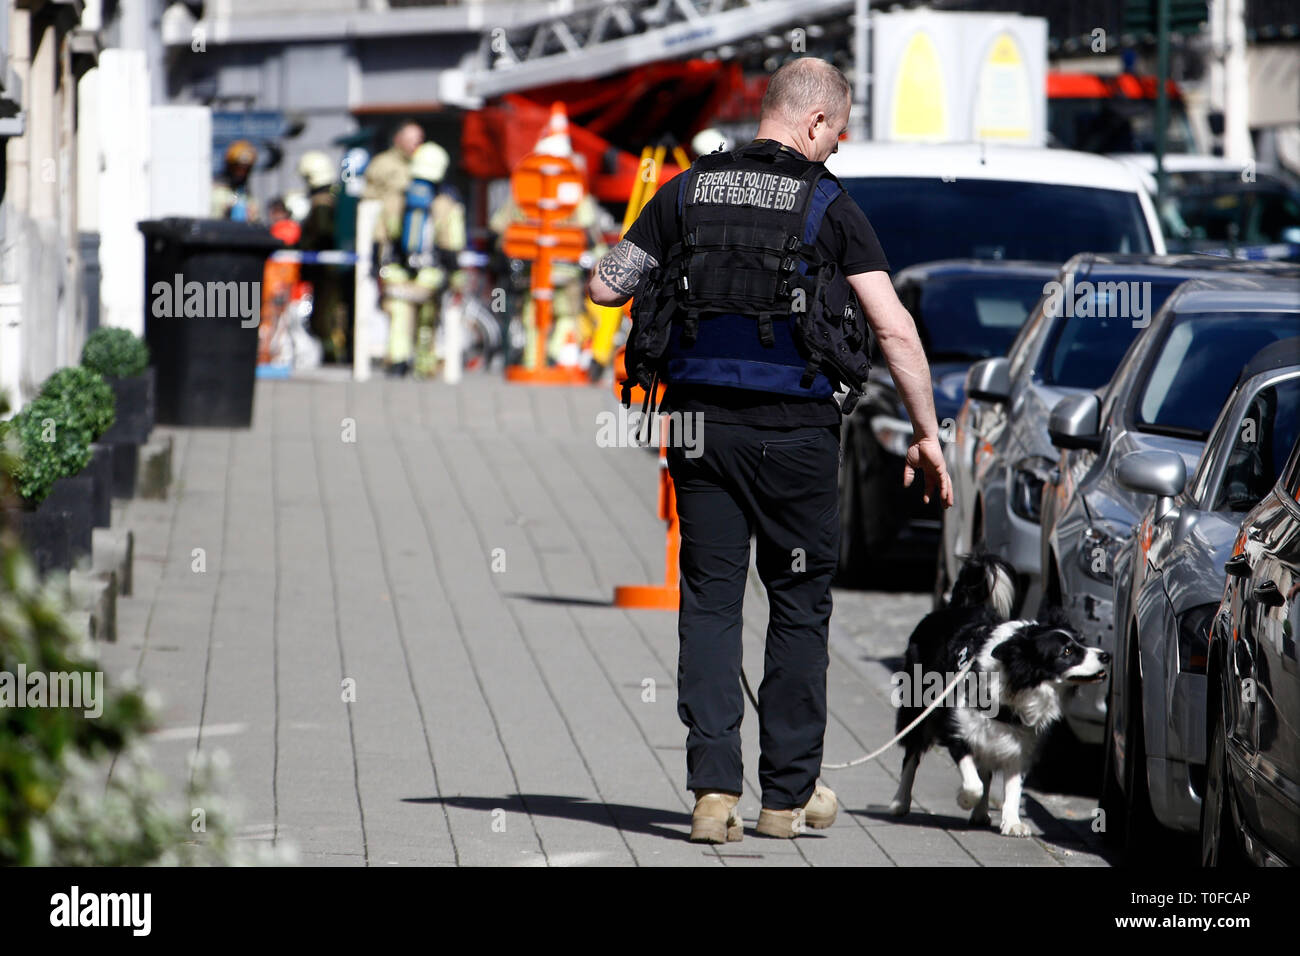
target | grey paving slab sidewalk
x=389, y=605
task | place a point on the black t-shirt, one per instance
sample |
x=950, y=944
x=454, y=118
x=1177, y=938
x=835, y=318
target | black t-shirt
x=845, y=236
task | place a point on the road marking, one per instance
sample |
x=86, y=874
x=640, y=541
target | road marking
x=192, y=733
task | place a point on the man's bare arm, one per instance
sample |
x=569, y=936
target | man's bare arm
x=896, y=333
x=619, y=274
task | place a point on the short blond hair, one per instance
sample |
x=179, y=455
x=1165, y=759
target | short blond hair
x=804, y=85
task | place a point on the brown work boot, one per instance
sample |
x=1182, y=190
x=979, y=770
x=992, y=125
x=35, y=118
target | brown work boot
x=716, y=819
x=818, y=813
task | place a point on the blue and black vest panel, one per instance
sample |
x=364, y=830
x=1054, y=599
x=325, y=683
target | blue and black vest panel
x=743, y=271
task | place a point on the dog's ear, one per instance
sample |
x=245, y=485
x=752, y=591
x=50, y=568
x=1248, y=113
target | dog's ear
x=1054, y=615
x=1018, y=667
x=1007, y=652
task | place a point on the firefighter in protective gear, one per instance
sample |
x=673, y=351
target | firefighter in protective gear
x=329, y=311
x=432, y=234
x=387, y=176
x=230, y=198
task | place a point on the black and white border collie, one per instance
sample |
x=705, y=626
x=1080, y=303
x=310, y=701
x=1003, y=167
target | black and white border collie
x=1023, y=666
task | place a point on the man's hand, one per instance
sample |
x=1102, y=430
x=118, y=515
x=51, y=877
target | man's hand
x=926, y=456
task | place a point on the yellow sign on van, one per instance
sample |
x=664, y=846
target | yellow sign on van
x=920, y=97
x=1003, y=106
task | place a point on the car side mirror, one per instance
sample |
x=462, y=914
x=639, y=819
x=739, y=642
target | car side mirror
x=1151, y=472
x=989, y=380
x=1075, y=422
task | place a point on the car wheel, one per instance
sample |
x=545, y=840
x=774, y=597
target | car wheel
x=853, y=566
x=1111, y=801
x=1147, y=842
x=1141, y=827
x=1220, y=840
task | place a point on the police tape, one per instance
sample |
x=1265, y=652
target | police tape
x=334, y=257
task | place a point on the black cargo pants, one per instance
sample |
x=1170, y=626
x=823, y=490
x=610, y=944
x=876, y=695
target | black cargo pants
x=779, y=485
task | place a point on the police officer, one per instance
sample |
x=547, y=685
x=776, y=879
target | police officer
x=760, y=378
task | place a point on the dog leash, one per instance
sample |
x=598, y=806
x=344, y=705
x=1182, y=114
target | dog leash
x=961, y=672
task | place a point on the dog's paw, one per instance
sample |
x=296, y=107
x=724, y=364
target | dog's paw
x=1014, y=828
x=898, y=808
x=980, y=818
x=969, y=799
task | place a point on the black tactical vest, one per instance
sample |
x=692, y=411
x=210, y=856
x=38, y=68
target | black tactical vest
x=744, y=299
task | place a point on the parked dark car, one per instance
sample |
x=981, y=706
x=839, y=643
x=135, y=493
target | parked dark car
x=1212, y=205
x=1168, y=584
x=965, y=310
x=1251, y=808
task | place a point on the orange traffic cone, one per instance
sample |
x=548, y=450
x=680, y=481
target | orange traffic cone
x=666, y=596
x=555, y=134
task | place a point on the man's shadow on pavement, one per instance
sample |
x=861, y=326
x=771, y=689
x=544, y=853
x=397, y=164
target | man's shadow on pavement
x=632, y=819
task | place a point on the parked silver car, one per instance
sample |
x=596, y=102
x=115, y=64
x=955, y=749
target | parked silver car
x=1165, y=396
x=1169, y=579
x=998, y=453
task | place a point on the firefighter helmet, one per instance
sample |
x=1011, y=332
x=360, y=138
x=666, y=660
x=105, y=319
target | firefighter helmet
x=430, y=163
x=316, y=168
x=241, y=153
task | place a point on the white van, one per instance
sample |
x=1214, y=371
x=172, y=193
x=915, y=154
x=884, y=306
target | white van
x=979, y=201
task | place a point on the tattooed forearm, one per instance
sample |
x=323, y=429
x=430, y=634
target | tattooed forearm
x=623, y=268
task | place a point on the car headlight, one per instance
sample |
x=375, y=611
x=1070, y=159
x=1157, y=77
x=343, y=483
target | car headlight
x=1098, y=550
x=1194, y=638
x=1026, y=492
x=894, y=434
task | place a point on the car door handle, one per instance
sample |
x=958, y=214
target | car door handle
x=1267, y=594
x=1238, y=566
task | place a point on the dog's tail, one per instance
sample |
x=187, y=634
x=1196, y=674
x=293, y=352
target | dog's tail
x=986, y=580
x=1002, y=589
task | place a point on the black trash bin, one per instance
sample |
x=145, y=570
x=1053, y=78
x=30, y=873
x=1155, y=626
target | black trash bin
x=203, y=282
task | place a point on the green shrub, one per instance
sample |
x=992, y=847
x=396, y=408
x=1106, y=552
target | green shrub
x=46, y=447
x=90, y=403
x=55, y=807
x=115, y=353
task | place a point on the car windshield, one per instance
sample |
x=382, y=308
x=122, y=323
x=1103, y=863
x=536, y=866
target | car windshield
x=1096, y=323
x=1197, y=365
x=1218, y=207
x=920, y=220
x=964, y=317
